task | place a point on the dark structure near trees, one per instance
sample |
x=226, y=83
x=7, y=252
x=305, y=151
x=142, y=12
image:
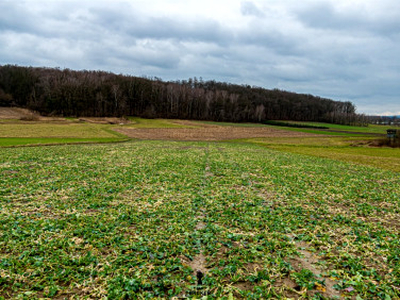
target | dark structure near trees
x=392, y=133
x=99, y=94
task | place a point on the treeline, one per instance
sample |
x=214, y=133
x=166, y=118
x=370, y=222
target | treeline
x=97, y=94
x=384, y=120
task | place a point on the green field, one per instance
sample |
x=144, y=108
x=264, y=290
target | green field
x=302, y=217
x=348, y=149
x=16, y=133
x=139, y=219
x=365, y=129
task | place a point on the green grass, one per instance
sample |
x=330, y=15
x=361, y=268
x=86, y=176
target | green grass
x=138, y=219
x=320, y=141
x=42, y=133
x=381, y=129
x=54, y=130
x=230, y=124
x=388, y=159
x=14, y=142
x=321, y=132
x=343, y=148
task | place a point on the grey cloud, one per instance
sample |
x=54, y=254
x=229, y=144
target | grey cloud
x=132, y=23
x=15, y=17
x=250, y=9
x=325, y=16
x=315, y=47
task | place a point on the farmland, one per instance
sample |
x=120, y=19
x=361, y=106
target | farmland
x=241, y=219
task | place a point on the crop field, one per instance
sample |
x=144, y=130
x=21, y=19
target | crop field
x=17, y=133
x=348, y=149
x=163, y=219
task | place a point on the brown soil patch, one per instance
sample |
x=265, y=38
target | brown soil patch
x=209, y=133
x=26, y=116
x=309, y=261
x=199, y=264
x=200, y=226
x=16, y=113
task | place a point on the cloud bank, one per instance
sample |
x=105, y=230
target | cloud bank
x=344, y=50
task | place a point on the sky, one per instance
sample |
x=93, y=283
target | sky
x=347, y=50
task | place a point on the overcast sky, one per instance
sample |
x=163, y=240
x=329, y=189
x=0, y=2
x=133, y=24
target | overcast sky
x=339, y=49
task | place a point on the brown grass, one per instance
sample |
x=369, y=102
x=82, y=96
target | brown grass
x=23, y=115
x=8, y=113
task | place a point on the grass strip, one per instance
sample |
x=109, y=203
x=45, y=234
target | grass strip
x=15, y=141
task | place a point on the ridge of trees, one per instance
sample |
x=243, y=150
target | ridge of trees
x=100, y=94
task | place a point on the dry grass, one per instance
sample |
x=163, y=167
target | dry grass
x=9, y=113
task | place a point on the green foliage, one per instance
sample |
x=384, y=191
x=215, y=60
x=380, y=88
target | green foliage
x=306, y=279
x=13, y=142
x=139, y=219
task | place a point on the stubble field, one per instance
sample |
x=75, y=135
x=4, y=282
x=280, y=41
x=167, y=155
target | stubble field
x=147, y=219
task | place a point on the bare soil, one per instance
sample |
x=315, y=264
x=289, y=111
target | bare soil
x=26, y=115
x=310, y=261
x=215, y=133
x=16, y=113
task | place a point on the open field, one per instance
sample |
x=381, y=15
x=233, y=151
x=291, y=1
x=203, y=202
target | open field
x=54, y=130
x=215, y=133
x=188, y=219
x=347, y=149
x=346, y=143
x=15, y=131
x=269, y=213
x=378, y=129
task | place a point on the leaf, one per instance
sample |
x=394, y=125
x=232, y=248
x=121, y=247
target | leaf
x=320, y=287
x=230, y=297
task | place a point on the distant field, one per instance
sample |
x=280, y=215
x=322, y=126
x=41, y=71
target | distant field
x=214, y=133
x=348, y=149
x=51, y=130
x=269, y=213
x=338, y=145
x=151, y=219
x=160, y=123
x=17, y=133
x=15, y=141
x=368, y=129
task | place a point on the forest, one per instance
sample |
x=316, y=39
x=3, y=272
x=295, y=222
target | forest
x=65, y=92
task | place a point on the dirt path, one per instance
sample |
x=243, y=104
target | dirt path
x=209, y=133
